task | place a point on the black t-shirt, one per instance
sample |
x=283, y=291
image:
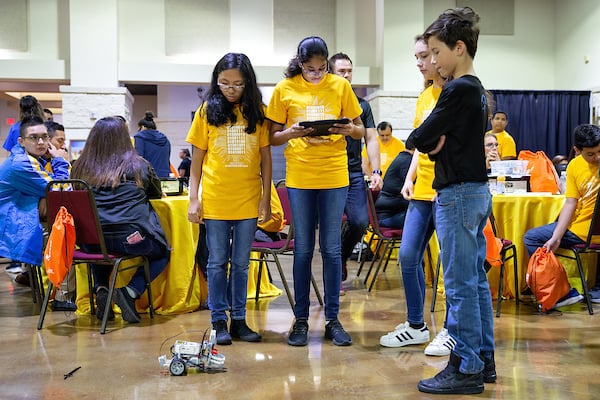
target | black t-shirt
x=354, y=146
x=461, y=114
x=390, y=201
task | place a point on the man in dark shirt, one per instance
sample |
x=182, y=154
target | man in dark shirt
x=186, y=163
x=356, y=201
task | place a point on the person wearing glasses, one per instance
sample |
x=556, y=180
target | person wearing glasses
x=316, y=175
x=23, y=180
x=490, y=142
x=507, y=147
x=232, y=159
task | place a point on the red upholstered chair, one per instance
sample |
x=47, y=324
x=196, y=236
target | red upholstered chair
x=77, y=197
x=386, y=238
x=270, y=251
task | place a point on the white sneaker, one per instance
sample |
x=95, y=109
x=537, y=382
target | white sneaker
x=404, y=335
x=441, y=345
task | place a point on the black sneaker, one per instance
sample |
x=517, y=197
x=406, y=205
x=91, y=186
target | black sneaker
x=223, y=336
x=127, y=305
x=489, y=370
x=452, y=381
x=58, y=305
x=240, y=330
x=334, y=330
x=22, y=278
x=101, y=304
x=299, y=334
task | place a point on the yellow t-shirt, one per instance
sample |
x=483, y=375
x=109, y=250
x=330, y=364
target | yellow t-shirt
x=277, y=222
x=317, y=162
x=387, y=152
x=506, y=144
x=582, y=184
x=425, y=167
x=231, y=180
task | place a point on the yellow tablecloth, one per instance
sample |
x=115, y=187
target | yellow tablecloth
x=515, y=214
x=180, y=287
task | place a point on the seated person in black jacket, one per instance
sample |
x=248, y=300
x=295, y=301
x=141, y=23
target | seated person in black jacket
x=391, y=206
x=123, y=182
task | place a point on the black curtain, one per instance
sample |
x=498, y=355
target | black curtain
x=543, y=120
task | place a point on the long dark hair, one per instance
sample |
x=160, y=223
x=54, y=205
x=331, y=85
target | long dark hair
x=108, y=157
x=307, y=48
x=219, y=110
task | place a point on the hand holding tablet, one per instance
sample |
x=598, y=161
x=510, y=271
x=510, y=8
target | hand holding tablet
x=321, y=128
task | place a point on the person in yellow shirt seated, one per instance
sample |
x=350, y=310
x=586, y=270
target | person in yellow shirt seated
x=389, y=148
x=507, y=149
x=576, y=215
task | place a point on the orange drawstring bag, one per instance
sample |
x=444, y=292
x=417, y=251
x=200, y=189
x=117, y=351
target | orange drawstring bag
x=58, y=255
x=543, y=176
x=547, y=278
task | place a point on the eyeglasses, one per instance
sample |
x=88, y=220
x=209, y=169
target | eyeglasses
x=36, y=138
x=491, y=145
x=237, y=88
x=314, y=73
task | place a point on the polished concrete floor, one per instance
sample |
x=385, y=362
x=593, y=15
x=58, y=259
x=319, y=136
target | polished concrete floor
x=554, y=356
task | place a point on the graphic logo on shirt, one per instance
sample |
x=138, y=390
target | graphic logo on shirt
x=315, y=113
x=235, y=139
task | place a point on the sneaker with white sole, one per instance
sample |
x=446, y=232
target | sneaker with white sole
x=404, y=335
x=595, y=294
x=441, y=345
x=571, y=298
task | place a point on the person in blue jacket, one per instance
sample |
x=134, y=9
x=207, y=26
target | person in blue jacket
x=23, y=179
x=28, y=107
x=153, y=145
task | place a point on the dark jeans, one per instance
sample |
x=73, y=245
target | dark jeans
x=356, y=212
x=157, y=254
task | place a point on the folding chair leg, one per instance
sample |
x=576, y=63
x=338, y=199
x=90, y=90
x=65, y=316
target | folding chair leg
x=284, y=281
x=259, y=277
x=148, y=287
x=111, y=292
x=387, y=252
x=586, y=293
x=377, y=248
x=363, y=259
x=436, y=279
x=317, y=292
x=44, y=306
x=500, y=289
x=516, y=273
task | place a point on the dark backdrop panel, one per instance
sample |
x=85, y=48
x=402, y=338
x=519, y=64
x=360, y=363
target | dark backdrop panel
x=543, y=120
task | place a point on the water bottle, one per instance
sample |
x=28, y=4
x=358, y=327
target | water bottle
x=562, y=183
x=500, y=184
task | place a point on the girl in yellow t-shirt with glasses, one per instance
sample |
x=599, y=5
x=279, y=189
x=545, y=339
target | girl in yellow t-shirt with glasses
x=232, y=159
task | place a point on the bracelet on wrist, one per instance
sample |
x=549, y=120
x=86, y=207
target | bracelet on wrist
x=377, y=172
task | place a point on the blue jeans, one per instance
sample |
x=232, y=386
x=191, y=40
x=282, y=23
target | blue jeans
x=536, y=237
x=418, y=228
x=157, y=254
x=328, y=206
x=395, y=221
x=357, y=216
x=461, y=212
x=229, y=242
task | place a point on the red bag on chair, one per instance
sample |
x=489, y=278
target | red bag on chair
x=58, y=255
x=543, y=176
x=547, y=278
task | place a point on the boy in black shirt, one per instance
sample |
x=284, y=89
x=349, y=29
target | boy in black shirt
x=453, y=136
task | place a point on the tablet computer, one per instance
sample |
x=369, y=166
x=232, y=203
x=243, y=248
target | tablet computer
x=321, y=128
